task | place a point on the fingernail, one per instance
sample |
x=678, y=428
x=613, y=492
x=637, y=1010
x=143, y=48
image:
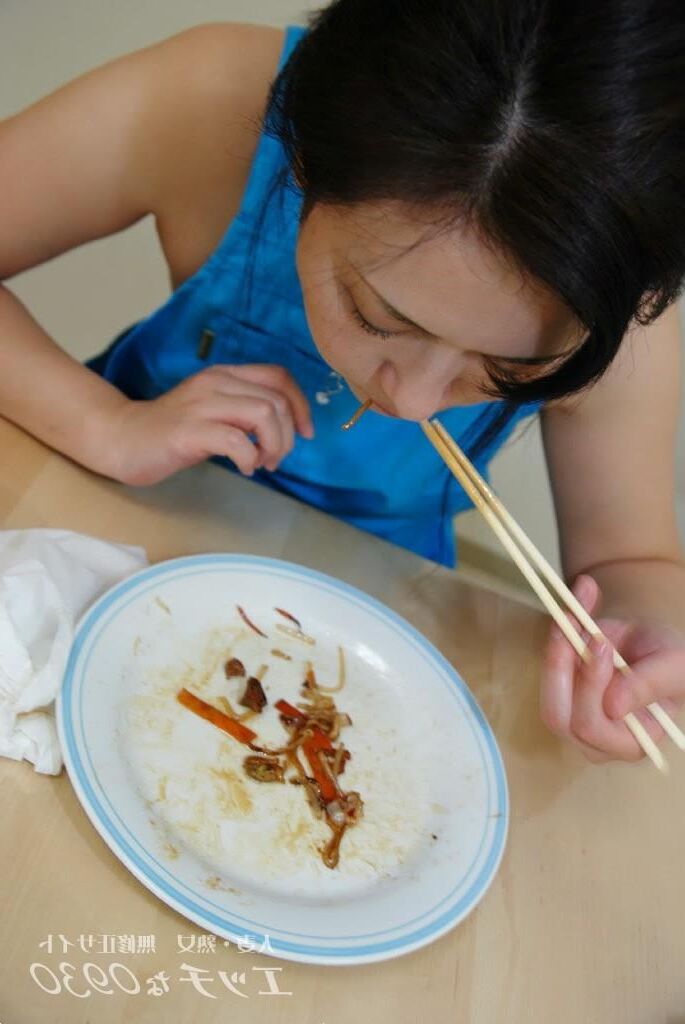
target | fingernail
x=599, y=646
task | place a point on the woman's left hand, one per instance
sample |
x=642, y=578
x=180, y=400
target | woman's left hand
x=587, y=702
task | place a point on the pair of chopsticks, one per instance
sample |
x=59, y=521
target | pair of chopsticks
x=526, y=556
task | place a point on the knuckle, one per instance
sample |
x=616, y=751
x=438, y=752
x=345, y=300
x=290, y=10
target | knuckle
x=263, y=409
x=198, y=384
x=233, y=435
x=555, y=658
x=281, y=404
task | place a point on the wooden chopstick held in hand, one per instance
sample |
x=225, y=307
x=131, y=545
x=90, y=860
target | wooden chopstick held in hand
x=567, y=595
x=511, y=536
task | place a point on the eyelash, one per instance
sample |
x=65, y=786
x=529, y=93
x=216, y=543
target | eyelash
x=366, y=326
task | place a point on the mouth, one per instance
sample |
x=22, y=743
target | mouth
x=376, y=407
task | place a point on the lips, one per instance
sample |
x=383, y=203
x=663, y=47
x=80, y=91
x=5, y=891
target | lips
x=363, y=396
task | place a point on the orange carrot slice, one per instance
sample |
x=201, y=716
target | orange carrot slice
x=211, y=714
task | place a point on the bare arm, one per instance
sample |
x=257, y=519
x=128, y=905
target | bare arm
x=68, y=167
x=611, y=460
x=611, y=456
x=133, y=138
x=51, y=395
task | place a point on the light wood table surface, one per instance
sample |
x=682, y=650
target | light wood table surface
x=584, y=923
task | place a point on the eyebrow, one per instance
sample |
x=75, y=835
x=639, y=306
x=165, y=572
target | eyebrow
x=518, y=360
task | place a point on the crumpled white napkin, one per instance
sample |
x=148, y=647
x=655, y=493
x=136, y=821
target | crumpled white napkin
x=48, y=578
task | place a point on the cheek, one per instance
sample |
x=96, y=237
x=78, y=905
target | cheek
x=336, y=339
x=321, y=320
x=326, y=332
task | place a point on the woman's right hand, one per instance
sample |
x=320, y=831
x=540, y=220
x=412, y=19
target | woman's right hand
x=249, y=414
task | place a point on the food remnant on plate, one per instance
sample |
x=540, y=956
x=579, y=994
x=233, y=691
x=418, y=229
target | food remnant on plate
x=165, y=607
x=287, y=615
x=228, y=709
x=295, y=633
x=341, y=677
x=254, y=697
x=313, y=729
x=215, y=882
x=211, y=714
x=234, y=667
x=248, y=622
x=281, y=654
x=264, y=769
x=231, y=793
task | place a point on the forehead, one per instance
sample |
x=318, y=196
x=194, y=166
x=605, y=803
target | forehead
x=446, y=279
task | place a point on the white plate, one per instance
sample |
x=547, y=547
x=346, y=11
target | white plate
x=166, y=790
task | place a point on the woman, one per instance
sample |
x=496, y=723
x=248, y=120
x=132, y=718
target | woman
x=457, y=206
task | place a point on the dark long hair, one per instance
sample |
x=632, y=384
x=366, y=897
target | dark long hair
x=556, y=128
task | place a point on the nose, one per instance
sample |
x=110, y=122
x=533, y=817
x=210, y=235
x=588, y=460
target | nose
x=418, y=389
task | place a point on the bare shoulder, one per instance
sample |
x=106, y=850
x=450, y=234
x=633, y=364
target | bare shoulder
x=207, y=101
x=215, y=70
x=216, y=45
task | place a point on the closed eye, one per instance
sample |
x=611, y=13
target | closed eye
x=526, y=360
x=361, y=320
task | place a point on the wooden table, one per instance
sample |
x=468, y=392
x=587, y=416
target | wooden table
x=583, y=925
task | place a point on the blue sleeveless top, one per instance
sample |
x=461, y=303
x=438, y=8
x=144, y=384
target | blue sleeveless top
x=244, y=305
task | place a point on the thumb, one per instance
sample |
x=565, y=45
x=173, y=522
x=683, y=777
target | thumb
x=656, y=677
x=586, y=591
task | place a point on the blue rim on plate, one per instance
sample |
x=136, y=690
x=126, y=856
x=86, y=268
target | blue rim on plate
x=158, y=878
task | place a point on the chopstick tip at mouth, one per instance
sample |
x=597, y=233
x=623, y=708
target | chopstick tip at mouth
x=357, y=415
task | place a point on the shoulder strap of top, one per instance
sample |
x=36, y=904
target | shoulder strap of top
x=269, y=157
x=293, y=34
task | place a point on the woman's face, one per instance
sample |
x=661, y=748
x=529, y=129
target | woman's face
x=410, y=317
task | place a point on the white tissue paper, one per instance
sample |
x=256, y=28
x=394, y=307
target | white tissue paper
x=48, y=578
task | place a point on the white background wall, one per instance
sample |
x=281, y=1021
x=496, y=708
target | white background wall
x=87, y=296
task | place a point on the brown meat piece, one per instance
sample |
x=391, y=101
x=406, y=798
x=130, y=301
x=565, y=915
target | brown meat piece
x=234, y=667
x=254, y=697
x=264, y=769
